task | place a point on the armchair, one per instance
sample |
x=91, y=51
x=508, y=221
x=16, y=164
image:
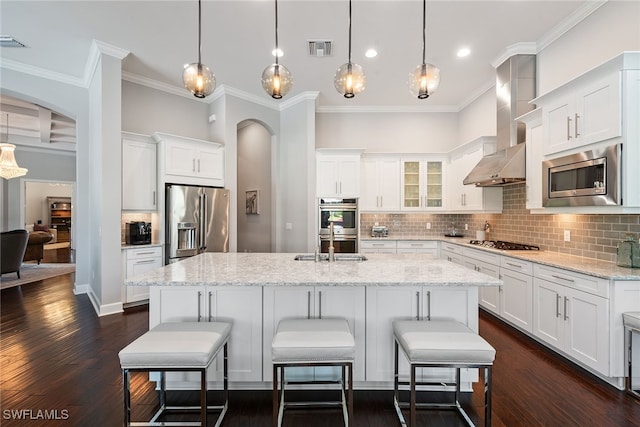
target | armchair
x=12, y=248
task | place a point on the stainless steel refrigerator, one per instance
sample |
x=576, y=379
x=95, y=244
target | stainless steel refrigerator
x=197, y=220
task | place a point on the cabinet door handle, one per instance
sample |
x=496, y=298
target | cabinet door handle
x=514, y=265
x=319, y=304
x=145, y=253
x=154, y=198
x=558, y=298
x=575, y=126
x=566, y=300
x=199, y=300
x=210, y=304
x=417, y=305
x=146, y=261
x=568, y=127
x=428, y=305
x=198, y=165
x=193, y=165
x=381, y=201
x=563, y=278
x=308, y=304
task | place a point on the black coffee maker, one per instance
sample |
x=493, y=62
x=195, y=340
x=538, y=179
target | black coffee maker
x=138, y=233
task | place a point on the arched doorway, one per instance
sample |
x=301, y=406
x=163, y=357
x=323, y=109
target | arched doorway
x=255, y=188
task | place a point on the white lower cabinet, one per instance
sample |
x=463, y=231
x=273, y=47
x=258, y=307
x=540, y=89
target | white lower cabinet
x=452, y=253
x=239, y=305
x=388, y=303
x=283, y=302
x=137, y=261
x=487, y=263
x=572, y=321
x=517, y=292
x=378, y=246
x=417, y=247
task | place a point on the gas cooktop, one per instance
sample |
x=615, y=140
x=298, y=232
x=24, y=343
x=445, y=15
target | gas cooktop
x=505, y=246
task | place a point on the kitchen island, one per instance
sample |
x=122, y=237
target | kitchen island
x=255, y=291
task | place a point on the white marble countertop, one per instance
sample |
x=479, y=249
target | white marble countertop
x=147, y=245
x=589, y=266
x=280, y=269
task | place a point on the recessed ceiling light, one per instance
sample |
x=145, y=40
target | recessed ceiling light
x=279, y=52
x=463, y=52
x=371, y=53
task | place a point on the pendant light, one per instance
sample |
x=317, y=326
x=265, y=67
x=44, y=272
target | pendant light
x=197, y=77
x=349, y=79
x=425, y=79
x=276, y=78
x=8, y=166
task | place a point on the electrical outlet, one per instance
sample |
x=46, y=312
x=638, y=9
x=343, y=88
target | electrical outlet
x=466, y=226
x=288, y=226
x=376, y=223
x=428, y=226
x=567, y=235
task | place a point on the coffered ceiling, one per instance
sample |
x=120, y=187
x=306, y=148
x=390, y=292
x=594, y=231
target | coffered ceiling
x=238, y=37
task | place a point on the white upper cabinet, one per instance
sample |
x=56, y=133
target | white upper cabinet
x=585, y=110
x=466, y=198
x=191, y=161
x=422, y=184
x=338, y=173
x=139, y=174
x=533, y=147
x=380, y=184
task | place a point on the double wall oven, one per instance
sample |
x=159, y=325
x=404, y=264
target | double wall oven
x=343, y=213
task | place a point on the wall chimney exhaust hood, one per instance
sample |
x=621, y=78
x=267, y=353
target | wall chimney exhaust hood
x=515, y=87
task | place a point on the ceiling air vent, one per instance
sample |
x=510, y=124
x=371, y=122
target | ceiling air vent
x=319, y=48
x=8, y=41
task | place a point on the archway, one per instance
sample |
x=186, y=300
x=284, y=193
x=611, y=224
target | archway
x=256, y=207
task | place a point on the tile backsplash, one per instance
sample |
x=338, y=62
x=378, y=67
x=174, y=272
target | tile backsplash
x=592, y=236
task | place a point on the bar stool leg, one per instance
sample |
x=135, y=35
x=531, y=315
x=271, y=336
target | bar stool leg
x=203, y=397
x=487, y=396
x=413, y=396
x=126, y=397
x=275, y=396
x=350, y=392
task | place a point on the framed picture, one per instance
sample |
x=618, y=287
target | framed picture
x=253, y=206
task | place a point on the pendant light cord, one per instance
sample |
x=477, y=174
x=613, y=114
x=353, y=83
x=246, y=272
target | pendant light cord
x=277, y=33
x=199, y=34
x=349, y=31
x=424, y=31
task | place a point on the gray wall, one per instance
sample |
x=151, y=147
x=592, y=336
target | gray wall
x=146, y=111
x=254, y=173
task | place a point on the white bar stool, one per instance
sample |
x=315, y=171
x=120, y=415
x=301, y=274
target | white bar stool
x=189, y=346
x=631, y=323
x=440, y=344
x=313, y=342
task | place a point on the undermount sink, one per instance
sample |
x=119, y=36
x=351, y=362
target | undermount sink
x=337, y=257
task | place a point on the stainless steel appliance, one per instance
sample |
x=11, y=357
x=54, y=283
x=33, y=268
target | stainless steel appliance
x=197, y=220
x=343, y=213
x=379, y=231
x=589, y=178
x=138, y=233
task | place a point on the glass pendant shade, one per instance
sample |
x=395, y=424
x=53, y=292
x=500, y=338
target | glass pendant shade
x=424, y=80
x=277, y=80
x=349, y=80
x=199, y=80
x=8, y=166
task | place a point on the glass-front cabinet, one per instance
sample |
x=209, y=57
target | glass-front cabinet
x=422, y=184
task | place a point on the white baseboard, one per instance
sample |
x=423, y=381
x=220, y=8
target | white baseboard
x=100, y=309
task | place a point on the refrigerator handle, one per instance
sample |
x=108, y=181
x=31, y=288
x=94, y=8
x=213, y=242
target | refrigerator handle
x=203, y=222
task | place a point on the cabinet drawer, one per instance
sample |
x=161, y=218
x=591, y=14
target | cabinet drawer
x=488, y=257
x=450, y=247
x=383, y=244
x=417, y=244
x=515, y=264
x=146, y=252
x=583, y=282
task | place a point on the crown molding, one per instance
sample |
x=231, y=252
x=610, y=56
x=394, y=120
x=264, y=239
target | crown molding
x=157, y=85
x=98, y=49
x=41, y=72
x=571, y=21
x=67, y=150
x=387, y=109
x=301, y=97
x=246, y=96
x=477, y=94
x=523, y=48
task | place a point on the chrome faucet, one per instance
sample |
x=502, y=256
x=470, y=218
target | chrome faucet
x=332, y=256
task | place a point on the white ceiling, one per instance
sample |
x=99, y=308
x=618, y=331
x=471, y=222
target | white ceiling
x=238, y=37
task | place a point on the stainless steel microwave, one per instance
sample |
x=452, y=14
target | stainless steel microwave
x=588, y=178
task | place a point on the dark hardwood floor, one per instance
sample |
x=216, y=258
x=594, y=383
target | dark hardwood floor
x=57, y=356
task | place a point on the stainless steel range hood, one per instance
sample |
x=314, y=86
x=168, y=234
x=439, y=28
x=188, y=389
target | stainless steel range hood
x=515, y=87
